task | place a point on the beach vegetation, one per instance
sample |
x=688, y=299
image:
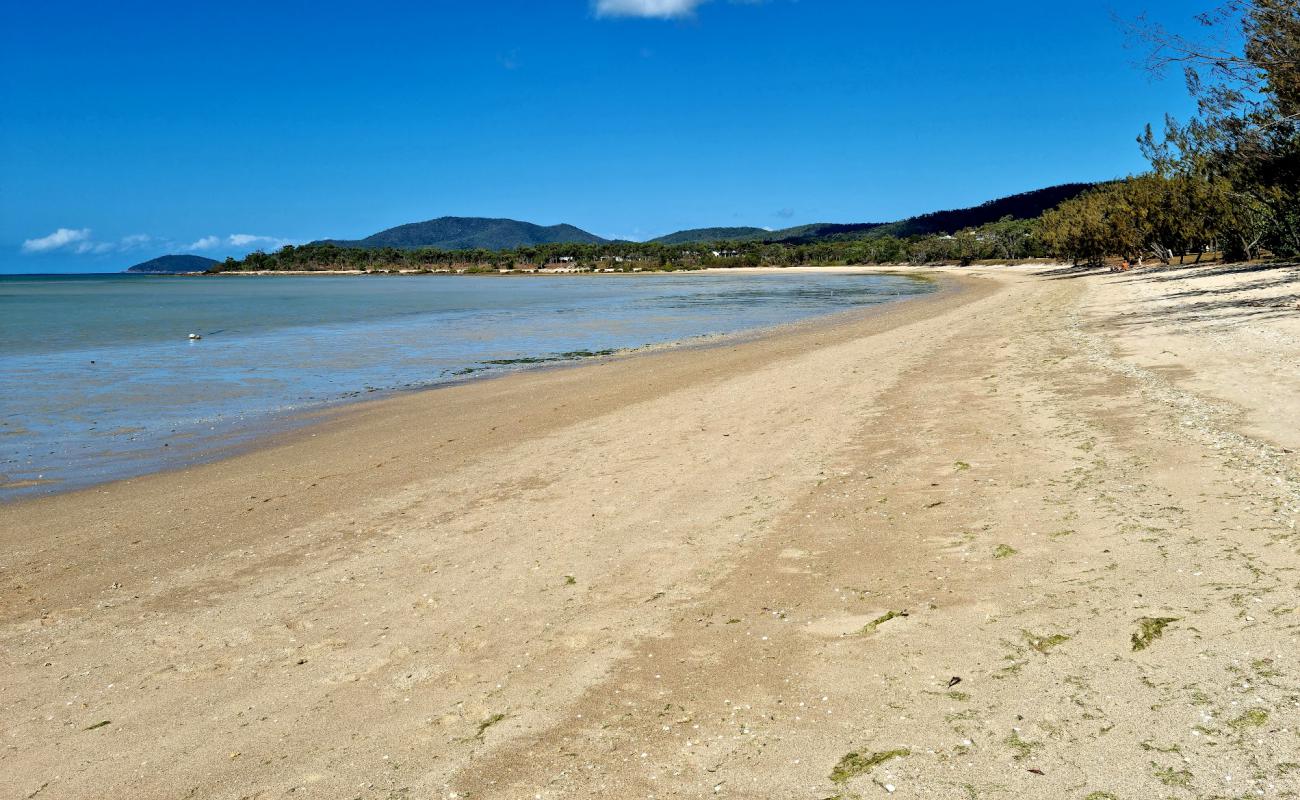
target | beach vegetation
x=1227, y=180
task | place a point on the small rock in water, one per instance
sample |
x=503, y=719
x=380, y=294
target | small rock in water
x=195, y=336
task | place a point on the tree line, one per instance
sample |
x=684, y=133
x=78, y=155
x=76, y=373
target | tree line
x=1005, y=240
x=1227, y=180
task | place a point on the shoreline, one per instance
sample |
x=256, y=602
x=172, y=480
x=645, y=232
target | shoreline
x=250, y=435
x=935, y=532
x=848, y=269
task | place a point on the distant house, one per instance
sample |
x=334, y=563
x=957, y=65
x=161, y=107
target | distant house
x=725, y=253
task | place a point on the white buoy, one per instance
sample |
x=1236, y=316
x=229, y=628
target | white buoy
x=195, y=336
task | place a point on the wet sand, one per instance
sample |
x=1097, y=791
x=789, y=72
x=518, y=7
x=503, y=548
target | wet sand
x=753, y=570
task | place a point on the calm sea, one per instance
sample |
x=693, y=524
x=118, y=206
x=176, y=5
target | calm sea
x=100, y=380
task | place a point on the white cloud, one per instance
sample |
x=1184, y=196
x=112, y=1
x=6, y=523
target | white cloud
x=653, y=9
x=240, y=241
x=63, y=237
x=248, y=239
x=206, y=243
x=79, y=241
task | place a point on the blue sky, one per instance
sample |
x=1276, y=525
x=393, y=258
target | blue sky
x=132, y=128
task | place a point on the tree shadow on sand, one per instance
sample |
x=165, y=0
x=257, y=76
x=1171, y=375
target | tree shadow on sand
x=1218, y=305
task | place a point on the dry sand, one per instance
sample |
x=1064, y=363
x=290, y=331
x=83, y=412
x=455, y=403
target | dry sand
x=718, y=572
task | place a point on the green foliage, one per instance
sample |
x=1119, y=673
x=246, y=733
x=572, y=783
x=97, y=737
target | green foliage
x=1227, y=180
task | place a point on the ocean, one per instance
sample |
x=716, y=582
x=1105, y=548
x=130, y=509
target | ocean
x=99, y=379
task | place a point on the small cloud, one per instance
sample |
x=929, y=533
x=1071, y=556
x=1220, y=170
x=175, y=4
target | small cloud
x=206, y=243
x=60, y=239
x=509, y=60
x=79, y=241
x=245, y=241
x=785, y=213
x=251, y=240
x=650, y=9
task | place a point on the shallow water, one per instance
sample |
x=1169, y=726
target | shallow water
x=101, y=382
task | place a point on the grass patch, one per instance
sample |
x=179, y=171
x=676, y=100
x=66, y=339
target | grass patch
x=960, y=466
x=569, y=580
x=1101, y=796
x=854, y=764
x=1004, y=551
x=1150, y=629
x=871, y=626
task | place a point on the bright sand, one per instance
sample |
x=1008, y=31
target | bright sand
x=671, y=575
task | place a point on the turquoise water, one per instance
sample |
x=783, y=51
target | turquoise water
x=101, y=382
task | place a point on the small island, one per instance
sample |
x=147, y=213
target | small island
x=172, y=265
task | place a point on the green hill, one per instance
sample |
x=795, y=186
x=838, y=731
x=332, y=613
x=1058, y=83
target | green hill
x=167, y=265
x=713, y=235
x=470, y=233
x=1025, y=205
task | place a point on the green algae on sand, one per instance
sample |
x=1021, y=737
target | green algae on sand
x=1150, y=629
x=854, y=764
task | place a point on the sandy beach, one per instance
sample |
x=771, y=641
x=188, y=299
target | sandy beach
x=1029, y=536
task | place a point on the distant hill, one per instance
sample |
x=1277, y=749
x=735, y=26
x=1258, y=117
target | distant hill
x=166, y=265
x=826, y=230
x=1026, y=205
x=483, y=233
x=713, y=235
x=470, y=233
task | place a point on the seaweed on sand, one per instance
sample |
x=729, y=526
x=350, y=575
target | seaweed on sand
x=871, y=626
x=1150, y=629
x=854, y=764
x=488, y=723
